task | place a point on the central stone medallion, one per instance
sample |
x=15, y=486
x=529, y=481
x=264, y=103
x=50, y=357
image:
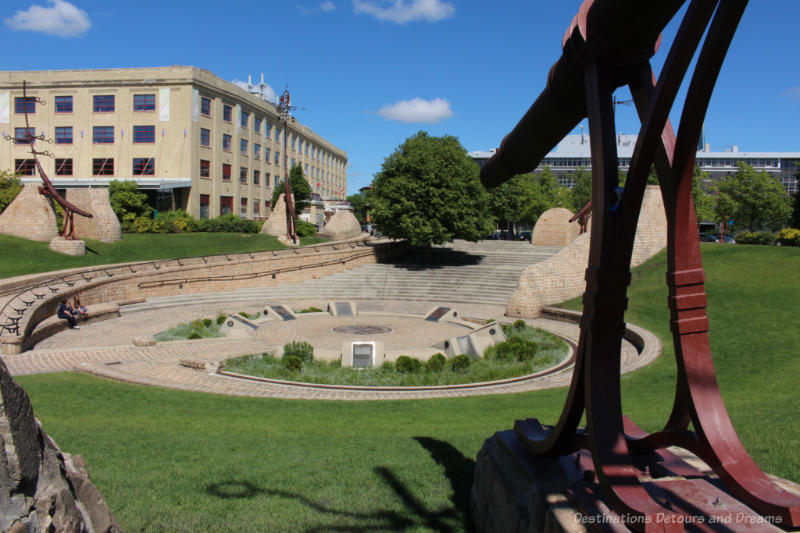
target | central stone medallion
x=362, y=329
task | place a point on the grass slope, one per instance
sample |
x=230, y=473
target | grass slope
x=180, y=461
x=22, y=256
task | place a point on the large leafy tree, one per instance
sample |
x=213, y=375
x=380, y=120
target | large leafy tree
x=758, y=199
x=581, y=192
x=795, y=221
x=361, y=205
x=428, y=192
x=301, y=190
x=127, y=201
x=10, y=186
x=509, y=202
x=703, y=202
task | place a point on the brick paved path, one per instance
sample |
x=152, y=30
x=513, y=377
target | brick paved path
x=105, y=349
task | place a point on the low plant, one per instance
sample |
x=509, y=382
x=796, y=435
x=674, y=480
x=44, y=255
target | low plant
x=436, y=363
x=520, y=324
x=459, y=363
x=292, y=362
x=249, y=316
x=406, y=364
x=300, y=349
x=202, y=328
x=305, y=229
x=516, y=348
x=757, y=237
x=789, y=237
x=221, y=318
x=309, y=310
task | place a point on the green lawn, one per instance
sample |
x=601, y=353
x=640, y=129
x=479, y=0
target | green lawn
x=22, y=256
x=179, y=461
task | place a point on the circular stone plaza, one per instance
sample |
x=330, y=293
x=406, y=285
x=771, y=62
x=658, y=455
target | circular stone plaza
x=387, y=302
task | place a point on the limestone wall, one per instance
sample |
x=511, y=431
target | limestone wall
x=29, y=216
x=562, y=276
x=104, y=225
x=554, y=228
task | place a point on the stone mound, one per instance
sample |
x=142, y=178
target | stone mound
x=104, y=225
x=276, y=223
x=554, y=228
x=342, y=225
x=29, y=216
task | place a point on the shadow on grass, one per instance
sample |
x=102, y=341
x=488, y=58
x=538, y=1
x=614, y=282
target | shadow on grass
x=458, y=470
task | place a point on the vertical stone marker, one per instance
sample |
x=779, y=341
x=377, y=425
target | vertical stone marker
x=29, y=216
x=276, y=223
x=104, y=225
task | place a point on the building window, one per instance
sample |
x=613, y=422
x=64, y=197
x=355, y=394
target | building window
x=64, y=135
x=205, y=168
x=205, y=109
x=227, y=113
x=243, y=175
x=225, y=205
x=144, y=134
x=103, y=167
x=277, y=158
x=256, y=177
x=257, y=124
x=205, y=137
x=25, y=167
x=144, y=166
x=103, y=103
x=266, y=179
x=243, y=208
x=257, y=151
x=226, y=142
x=243, y=146
x=204, y=200
x=25, y=105
x=103, y=134
x=144, y=102
x=63, y=104
x=277, y=181
x=256, y=210
x=24, y=135
x=277, y=134
x=267, y=156
x=226, y=172
x=268, y=130
x=243, y=119
x=64, y=167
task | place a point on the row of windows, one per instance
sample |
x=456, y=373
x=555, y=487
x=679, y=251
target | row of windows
x=101, y=103
x=142, y=166
x=226, y=206
x=297, y=144
x=100, y=135
x=205, y=172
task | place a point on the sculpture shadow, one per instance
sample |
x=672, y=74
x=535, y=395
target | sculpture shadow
x=433, y=258
x=414, y=513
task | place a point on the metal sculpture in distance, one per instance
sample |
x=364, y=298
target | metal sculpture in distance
x=47, y=189
x=285, y=113
x=608, y=45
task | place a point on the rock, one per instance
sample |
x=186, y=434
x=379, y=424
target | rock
x=342, y=225
x=144, y=341
x=41, y=488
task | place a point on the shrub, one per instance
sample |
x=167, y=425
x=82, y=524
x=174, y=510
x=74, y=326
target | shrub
x=303, y=350
x=507, y=329
x=221, y=318
x=195, y=335
x=177, y=221
x=407, y=364
x=758, y=237
x=519, y=324
x=335, y=364
x=207, y=322
x=305, y=229
x=230, y=223
x=789, y=237
x=436, y=363
x=387, y=366
x=310, y=310
x=515, y=348
x=459, y=363
x=292, y=362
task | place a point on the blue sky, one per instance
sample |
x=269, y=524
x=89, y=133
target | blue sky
x=370, y=73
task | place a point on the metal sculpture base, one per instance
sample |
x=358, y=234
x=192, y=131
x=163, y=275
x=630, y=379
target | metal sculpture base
x=515, y=491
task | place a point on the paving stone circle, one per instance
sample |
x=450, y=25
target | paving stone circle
x=362, y=329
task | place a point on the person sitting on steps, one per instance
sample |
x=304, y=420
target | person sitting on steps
x=77, y=309
x=65, y=313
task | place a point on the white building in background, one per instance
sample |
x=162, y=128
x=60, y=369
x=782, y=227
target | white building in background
x=573, y=152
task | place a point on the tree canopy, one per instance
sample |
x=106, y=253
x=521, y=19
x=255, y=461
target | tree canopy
x=127, y=201
x=361, y=204
x=755, y=200
x=10, y=186
x=301, y=190
x=428, y=192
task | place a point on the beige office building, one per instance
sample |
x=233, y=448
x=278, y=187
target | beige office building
x=206, y=145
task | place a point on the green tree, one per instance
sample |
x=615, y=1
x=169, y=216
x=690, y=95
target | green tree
x=428, y=192
x=581, y=192
x=10, y=185
x=509, y=201
x=759, y=200
x=301, y=190
x=127, y=201
x=361, y=204
x=703, y=202
x=795, y=221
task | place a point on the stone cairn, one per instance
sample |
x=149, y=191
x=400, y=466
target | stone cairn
x=342, y=225
x=104, y=225
x=41, y=487
x=29, y=216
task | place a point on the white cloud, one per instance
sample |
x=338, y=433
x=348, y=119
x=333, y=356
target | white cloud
x=417, y=110
x=402, y=11
x=61, y=19
x=267, y=91
x=327, y=6
x=793, y=93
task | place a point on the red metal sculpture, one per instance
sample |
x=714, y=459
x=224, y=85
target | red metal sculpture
x=285, y=113
x=607, y=46
x=47, y=189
